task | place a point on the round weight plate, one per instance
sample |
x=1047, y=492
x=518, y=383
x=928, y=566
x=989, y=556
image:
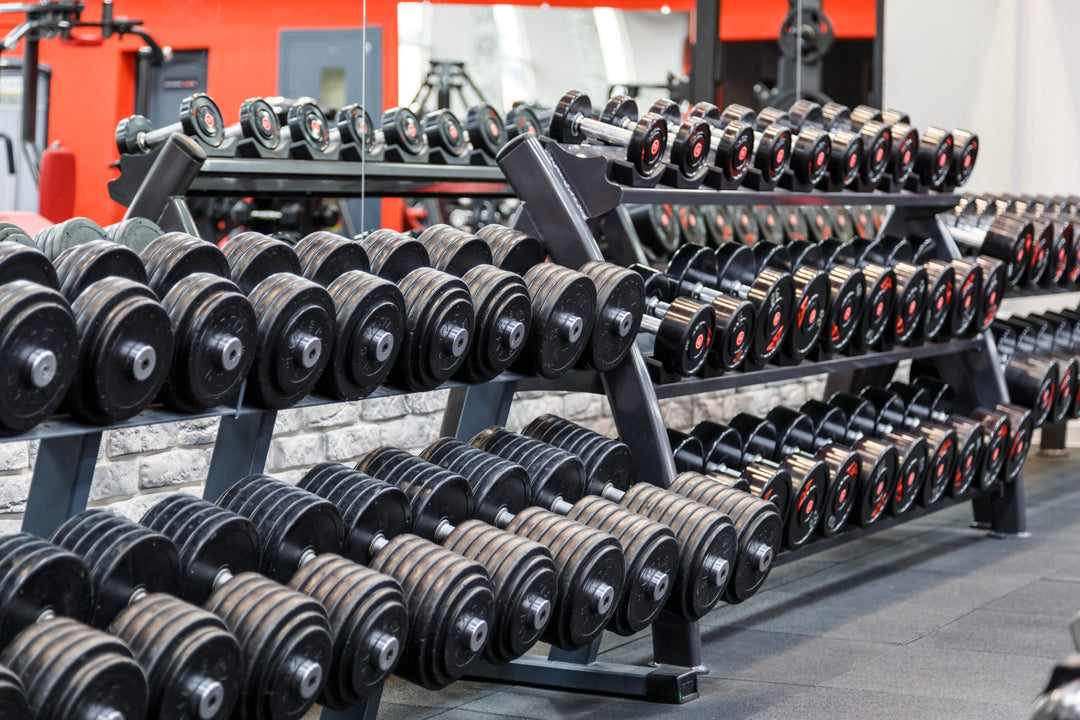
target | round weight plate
x=201, y=119
x=259, y=122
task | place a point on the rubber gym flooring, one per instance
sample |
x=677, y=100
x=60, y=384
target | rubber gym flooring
x=930, y=619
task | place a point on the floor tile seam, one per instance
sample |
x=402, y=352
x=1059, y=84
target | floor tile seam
x=818, y=637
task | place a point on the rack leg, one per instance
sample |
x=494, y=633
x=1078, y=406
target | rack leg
x=1003, y=514
x=60, y=487
x=366, y=709
x=242, y=444
x=677, y=642
x=1053, y=440
x=582, y=656
x=471, y=409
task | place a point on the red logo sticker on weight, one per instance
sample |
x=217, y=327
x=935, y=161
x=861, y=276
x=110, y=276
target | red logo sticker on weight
x=880, y=154
x=266, y=123
x=819, y=159
x=742, y=153
x=699, y=341
x=740, y=338
x=852, y=160
x=776, y=318
x=697, y=149
x=907, y=157
x=780, y=156
x=208, y=120
x=655, y=146
x=942, y=159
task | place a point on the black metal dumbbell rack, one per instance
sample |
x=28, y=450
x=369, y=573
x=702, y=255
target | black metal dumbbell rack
x=561, y=193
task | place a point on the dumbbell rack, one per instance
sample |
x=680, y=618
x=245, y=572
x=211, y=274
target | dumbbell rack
x=561, y=193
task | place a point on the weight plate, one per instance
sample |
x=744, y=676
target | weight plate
x=173, y=256
x=253, y=257
x=439, y=329
x=259, y=123
x=38, y=578
x=486, y=130
x=201, y=119
x=563, y=314
x=135, y=233
x=326, y=256
x=502, y=322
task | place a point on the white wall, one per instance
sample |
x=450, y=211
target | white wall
x=1002, y=68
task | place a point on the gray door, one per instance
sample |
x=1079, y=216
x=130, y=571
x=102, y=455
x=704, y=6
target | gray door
x=167, y=86
x=330, y=66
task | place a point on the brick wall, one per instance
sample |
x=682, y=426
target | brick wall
x=137, y=466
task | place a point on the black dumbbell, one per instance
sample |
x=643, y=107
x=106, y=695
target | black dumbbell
x=620, y=307
x=200, y=118
x=55, y=239
x=688, y=141
x=487, y=133
x=511, y=249
x=673, y=339
x=876, y=136
x=304, y=127
x=435, y=503
x=1038, y=339
x=706, y=539
x=942, y=158
x=500, y=299
x=125, y=336
x=1032, y=380
x=842, y=466
x=731, y=269
x=354, y=133
x=1014, y=423
x=811, y=149
x=295, y=319
x=847, y=161
x=520, y=120
x=848, y=290
x=769, y=152
x=214, y=324
x=446, y=137
x=47, y=603
x=1053, y=235
x=643, y=147
x=1005, y=237
x=134, y=232
x=905, y=139
x=336, y=626
x=258, y=130
x=657, y=227
x=42, y=350
x=813, y=298
x=193, y=664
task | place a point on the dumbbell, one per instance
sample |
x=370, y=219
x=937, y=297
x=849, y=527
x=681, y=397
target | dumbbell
x=943, y=157
x=1053, y=234
x=848, y=290
x=511, y=249
x=753, y=443
x=902, y=154
x=354, y=132
x=677, y=335
x=41, y=350
x=707, y=541
x=769, y=151
x=857, y=154
x=731, y=269
x=879, y=462
x=733, y=322
x=200, y=118
x=843, y=155
x=1007, y=238
x=503, y=314
x=449, y=615
x=931, y=399
x=842, y=479
x=813, y=302
x=134, y=232
x=879, y=283
x=657, y=227
x=689, y=144
x=487, y=133
x=304, y=127
x=214, y=324
x=1032, y=380
x=911, y=288
x=642, y=583
x=811, y=149
x=521, y=119
x=1063, y=340
x=620, y=307
x=608, y=466
x=13, y=233
x=63, y=668
x=449, y=598
x=258, y=130
x=192, y=662
x=1038, y=338
x=885, y=417
x=333, y=634
x=645, y=145
x=1014, y=422
x=295, y=331
x=446, y=138
x=125, y=336
x=941, y=283
x=923, y=411
x=876, y=137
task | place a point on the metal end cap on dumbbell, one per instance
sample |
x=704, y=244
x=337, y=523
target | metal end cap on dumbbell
x=193, y=664
x=125, y=560
x=213, y=543
x=809, y=479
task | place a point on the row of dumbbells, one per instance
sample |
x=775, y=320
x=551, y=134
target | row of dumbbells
x=809, y=146
x=664, y=228
x=1040, y=355
x=855, y=458
x=770, y=302
x=282, y=128
x=175, y=318
x=1037, y=237
x=261, y=604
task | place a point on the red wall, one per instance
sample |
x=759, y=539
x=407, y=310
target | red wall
x=93, y=88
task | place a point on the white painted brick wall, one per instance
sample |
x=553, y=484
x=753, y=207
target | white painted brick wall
x=140, y=466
